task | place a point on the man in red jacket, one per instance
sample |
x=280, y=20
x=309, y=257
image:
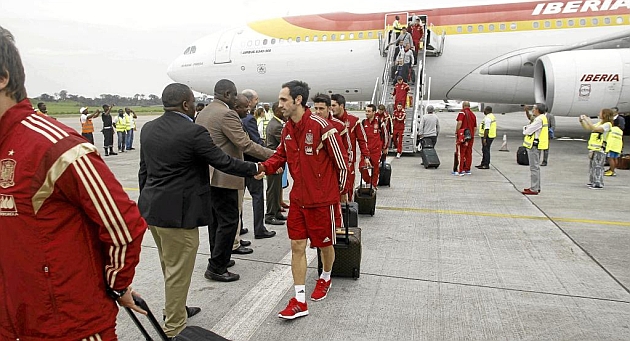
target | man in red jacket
x=70, y=237
x=313, y=149
x=399, y=127
x=401, y=90
x=357, y=135
x=376, y=132
x=466, y=121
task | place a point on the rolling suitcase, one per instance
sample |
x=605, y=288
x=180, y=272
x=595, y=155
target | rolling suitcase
x=385, y=175
x=190, y=333
x=365, y=197
x=347, y=252
x=521, y=156
x=430, y=158
x=351, y=218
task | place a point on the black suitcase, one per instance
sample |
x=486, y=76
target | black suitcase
x=521, y=156
x=190, y=333
x=347, y=253
x=365, y=197
x=350, y=219
x=385, y=175
x=430, y=158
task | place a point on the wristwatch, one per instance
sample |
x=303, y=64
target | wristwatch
x=115, y=294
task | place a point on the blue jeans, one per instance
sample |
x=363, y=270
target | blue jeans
x=121, y=141
x=129, y=139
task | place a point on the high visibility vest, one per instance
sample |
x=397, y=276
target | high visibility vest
x=614, y=143
x=87, y=127
x=543, y=136
x=129, y=122
x=596, y=142
x=121, y=124
x=493, y=127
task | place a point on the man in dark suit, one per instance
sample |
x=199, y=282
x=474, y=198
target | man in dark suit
x=175, y=193
x=226, y=129
x=256, y=187
x=274, y=181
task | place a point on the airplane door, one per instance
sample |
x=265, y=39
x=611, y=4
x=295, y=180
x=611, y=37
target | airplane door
x=224, y=47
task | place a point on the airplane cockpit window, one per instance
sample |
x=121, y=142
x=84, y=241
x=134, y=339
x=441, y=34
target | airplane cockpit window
x=595, y=21
x=582, y=22
x=265, y=41
x=491, y=26
x=193, y=49
x=536, y=24
x=502, y=27
x=459, y=29
x=513, y=26
x=187, y=50
x=607, y=21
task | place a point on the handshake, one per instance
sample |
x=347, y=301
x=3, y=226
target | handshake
x=262, y=171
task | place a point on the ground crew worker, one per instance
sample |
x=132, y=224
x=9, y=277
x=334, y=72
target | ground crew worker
x=536, y=139
x=597, y=146
x=399, y=127
x=356, y=134
x=120, y=122
x=108, y=131
x=131, y=127
x=87, y=126
x=376, y=132
x=313, y=149
x=487, y=132
x=614, y=145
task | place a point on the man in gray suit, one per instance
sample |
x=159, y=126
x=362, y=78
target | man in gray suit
x=274, y=181
x=226, y=129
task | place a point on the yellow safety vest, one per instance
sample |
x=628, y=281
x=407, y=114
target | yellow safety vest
x=493, y=127
x=543, y=136
x=614, y=143
x=121, y=124
x=129, y=122
x=596, y=142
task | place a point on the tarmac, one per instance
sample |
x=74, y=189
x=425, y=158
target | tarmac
x=444, y=257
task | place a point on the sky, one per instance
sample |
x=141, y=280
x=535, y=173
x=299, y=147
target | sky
x=121, y=47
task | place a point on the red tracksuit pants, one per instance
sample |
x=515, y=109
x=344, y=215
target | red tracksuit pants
x=465, y=156
x=398, y=138
x=375, y=160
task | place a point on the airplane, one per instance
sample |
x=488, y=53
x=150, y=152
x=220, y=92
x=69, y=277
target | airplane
x=574, y=56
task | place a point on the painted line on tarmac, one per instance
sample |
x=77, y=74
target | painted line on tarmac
x=493, y=215
x=242, y=321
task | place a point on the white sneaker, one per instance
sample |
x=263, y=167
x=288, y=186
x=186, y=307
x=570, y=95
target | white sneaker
x=398, y=155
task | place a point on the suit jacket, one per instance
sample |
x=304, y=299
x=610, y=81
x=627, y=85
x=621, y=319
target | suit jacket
x=174, y=176
x=274, y=133
x=251, y=128
x=226, y=129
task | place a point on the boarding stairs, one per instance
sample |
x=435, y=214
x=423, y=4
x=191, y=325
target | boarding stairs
x=384, y=87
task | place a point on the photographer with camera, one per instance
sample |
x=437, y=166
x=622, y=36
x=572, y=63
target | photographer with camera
x=536, y=139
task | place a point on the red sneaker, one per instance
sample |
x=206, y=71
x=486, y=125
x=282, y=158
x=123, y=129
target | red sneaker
x=294, y=310
x=528, y=191
x=321, y=290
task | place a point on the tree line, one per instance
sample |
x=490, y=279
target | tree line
x=136, y=100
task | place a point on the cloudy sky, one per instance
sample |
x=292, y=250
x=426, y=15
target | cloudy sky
x=124, y=47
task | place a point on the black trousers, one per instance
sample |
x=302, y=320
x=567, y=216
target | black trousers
x=89, y=137
x=274, y=193
x=256, y=190
x=108, y=138
x=485, y=150
x=224, y=220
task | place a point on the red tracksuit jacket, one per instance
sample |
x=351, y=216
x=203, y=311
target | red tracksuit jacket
x=376, y=132
x=67, y=229
x=357, y=134
x=317, y=163
x=345, y=140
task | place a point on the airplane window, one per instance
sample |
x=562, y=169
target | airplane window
x=582, y=22
x=360, y=35
x=324, y=37
x=351, y=35
x=370, y=34
x=249, y=43
x=193, y=49
x=459, y=29
x=536, y=24
x=298, y=39
x=315, y=38
x=571, y=22
x=547, y=24
x=619, y=20
x=342, y=36
x=491, y=27
x=289, y=40
x=559, y=23
x=513, y=26
x=333, y=37
x=257, y=42
x=307, y=38
x=607, y=21
x=595, y=21
x=502, y=27
x=480, y=28
x=470, y=28
x=265, y=41
x=187, y=50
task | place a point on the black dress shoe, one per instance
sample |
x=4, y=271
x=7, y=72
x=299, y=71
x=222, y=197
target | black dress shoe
x=231, y=263
x=242, y=251
x=267, y=234
x=274, y=221
x=226, y=277
x=245, y=242
x=190, y=312
x=244, y=231
x=281, y=217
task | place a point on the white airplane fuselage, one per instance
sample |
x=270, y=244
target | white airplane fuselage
x=477, y=64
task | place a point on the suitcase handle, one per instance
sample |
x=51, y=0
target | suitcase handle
x=347, y=223
x=371, y=176
x=154, y=322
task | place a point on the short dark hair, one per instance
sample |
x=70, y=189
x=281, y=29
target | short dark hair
x=372, y=106
x=200, y=104
x=105, y=106
x=175, y=94
x=274, y=107
x=297, y=88
x=339, y=99
x=40, y=105
x=11, y=66
x=223, y=86
x=321, y=98
x=487, y=110
x=542, y=108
